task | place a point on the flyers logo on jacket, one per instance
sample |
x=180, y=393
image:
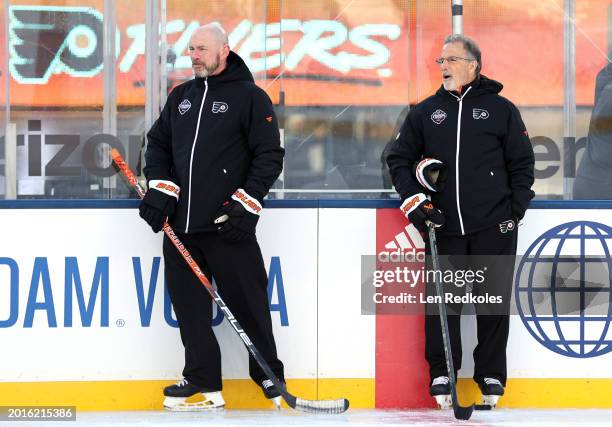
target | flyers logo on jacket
x=219, y=107
x=479, y=113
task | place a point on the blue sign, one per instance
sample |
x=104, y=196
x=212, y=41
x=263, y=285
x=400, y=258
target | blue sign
x=563, y=289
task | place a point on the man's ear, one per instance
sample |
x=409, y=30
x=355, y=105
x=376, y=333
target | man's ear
x=225, y=50
x=474, y=65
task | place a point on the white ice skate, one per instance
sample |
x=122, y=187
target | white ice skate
x=184, y=396
x=491, y=389
x=272, y=393
x=490, y=400
x=440, y=390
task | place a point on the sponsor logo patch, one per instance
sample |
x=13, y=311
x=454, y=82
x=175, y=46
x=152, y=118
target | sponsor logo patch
x=438, y=116
x=184, y=106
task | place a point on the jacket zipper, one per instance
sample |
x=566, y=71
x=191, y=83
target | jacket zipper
x=195, y=138
x=460, y=100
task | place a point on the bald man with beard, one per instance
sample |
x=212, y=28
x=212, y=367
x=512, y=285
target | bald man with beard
x=212, y=156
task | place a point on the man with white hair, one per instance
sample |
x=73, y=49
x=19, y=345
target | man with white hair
x=463, y=162
x=212, y=156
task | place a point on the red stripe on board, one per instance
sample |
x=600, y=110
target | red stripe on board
x=402, y=374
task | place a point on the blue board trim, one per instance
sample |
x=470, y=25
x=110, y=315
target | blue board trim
x=281, y=203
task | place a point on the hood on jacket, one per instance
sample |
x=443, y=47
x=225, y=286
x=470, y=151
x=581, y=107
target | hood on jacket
x=235, y=70
x=481, y=84
x=601, y=81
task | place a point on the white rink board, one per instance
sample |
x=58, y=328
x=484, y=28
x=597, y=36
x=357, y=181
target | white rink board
x=126, y=350
x=317, y=254
x=346, y=338
x=527, y=358
x=278, y=231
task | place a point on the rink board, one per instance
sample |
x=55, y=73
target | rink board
x=59, y=348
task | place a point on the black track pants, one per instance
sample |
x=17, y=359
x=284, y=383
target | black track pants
x=492, y=320
x=239, y=272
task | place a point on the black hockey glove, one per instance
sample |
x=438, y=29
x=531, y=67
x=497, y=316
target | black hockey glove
x=431, y=174
x=159, y=203
x=420, y=211
x=237, y=218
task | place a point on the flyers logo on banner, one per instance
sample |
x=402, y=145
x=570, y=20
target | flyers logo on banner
x=359, y=58
x=52, y=48
x=45, y=40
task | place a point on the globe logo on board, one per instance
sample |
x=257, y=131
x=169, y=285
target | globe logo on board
x=563, y=289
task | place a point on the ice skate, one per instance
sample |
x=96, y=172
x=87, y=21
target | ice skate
x=491, y=389
x=184, y=396
x=440, y=390
x=272, y=393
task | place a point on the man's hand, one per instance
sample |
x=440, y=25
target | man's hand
x=420, y=211
x=159, y=203
x=431, y=174
x=237, y=218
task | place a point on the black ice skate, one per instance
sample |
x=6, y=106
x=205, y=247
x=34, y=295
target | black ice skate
x=185, y=396
x=491, y=389
x=441, y=391
x=271, y=392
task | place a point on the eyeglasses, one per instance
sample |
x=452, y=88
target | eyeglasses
x=452, y=60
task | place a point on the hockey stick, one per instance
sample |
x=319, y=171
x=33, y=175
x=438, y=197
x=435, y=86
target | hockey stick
x=461, y=412
x=315, y=406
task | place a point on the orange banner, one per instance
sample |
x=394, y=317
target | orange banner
x=318, y=52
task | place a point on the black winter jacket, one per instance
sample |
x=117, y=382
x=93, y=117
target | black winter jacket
x=482, y=140
x=215, y=135
x=596, y=163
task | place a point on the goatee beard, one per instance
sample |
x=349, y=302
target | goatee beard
x=208, y=70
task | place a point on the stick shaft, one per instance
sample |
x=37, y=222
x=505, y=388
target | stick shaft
x=131, y=178
x=316, y=406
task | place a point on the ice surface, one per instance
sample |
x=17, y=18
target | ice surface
x=355, y=417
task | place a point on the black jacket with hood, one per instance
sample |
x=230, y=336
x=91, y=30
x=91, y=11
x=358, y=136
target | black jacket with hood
x=215, y=134
x=596, y=163
x=480, y=137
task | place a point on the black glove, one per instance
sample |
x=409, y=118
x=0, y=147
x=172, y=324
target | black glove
x=419, y=211
x=237, y=218
x=159, y=203
x=431, y=174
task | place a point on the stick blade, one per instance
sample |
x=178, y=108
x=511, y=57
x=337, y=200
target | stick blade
x=336, y=406
x=483, y=407
x=463, y=412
